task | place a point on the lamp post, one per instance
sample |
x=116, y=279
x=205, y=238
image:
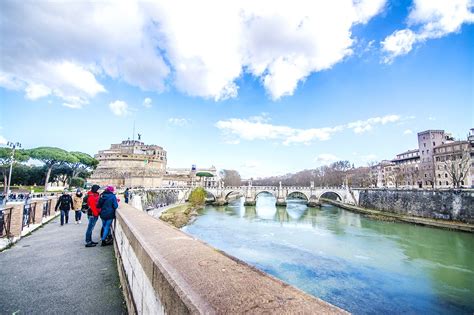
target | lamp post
x=13, y=146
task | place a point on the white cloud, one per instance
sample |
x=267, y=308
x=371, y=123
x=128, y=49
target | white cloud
x=408, y=132
x=399, y=43
x=325, y=159
x=35, y=91
x=119, y=108
x=279, y=42
x=179, y=121
x=147, y=102
x=433, y=19
x=361, y=126
x=3, y=141
x=258, y=128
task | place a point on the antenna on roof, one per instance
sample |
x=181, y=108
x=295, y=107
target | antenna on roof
x=133, y=136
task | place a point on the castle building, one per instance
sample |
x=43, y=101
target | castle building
x=135, y=164
x=130, y=164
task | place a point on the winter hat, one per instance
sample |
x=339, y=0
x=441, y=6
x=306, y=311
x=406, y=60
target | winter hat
x=95, y=188
x=110, y=189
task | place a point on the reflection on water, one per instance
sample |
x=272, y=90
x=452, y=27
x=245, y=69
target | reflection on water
x=361, y=265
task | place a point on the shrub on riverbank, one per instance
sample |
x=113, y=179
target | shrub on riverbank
x=197, y=199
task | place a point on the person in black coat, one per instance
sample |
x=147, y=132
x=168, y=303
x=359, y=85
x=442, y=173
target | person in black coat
x=64, y=204
x=108, y=204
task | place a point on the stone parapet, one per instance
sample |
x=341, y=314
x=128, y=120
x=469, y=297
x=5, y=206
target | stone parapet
x=38, y=210
x=16, y=218
x=168, y=271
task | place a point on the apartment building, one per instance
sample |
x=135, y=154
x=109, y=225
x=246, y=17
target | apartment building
x=438, y=162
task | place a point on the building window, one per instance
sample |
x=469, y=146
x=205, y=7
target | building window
x=434, y=144
x=425, y=174
x=439, y=175
x=447, y=183
x=445, y=175
x=440, y=183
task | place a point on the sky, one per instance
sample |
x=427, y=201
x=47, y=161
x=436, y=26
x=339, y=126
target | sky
x=263, y=87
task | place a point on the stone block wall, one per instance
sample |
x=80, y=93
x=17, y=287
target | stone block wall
x=453, y=205
x=164, y=270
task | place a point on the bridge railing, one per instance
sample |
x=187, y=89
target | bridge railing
x=17, y=219
x=5, y=221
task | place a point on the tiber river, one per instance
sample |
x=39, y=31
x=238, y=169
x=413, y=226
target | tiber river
x=359, y=264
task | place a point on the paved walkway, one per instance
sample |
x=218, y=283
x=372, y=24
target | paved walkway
x=51, y=272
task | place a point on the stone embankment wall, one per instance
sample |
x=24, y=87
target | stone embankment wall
x=453, y=205
x=164, y=270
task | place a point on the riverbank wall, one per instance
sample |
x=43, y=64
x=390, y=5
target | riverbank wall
x=164, y=270
x=450, y=205
x=404, y=217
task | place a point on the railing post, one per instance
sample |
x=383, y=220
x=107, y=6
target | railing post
x=54, y=201
x=38, y=211
x=16, y=222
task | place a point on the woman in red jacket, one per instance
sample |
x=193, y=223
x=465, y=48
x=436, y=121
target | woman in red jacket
x=92, y=213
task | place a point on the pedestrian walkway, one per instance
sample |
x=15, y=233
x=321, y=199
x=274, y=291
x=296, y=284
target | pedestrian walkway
x=51, y=272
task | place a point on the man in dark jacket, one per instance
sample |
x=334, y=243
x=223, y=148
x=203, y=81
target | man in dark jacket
x=64, y=204
x=107, y=204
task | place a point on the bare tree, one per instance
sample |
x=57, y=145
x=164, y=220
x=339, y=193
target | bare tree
x=457, y=167
x=231, y=177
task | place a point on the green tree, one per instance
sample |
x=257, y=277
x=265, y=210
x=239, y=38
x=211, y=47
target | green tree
x=51, y=157
x=84, y=162
x=6, y=159
x=77, y=182
x=61, y=174
x=197, y=197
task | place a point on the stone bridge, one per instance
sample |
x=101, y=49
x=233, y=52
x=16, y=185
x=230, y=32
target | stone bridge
x=223, y=194
x=311, y=194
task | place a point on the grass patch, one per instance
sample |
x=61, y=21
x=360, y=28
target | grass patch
x=179, y=216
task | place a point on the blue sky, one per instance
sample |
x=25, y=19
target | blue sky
x=264, y=90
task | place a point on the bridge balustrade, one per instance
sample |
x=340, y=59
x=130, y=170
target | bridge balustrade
x=5, y=221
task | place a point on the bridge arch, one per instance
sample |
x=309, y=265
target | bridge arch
x=210, y=197
x=264, y=191
x=297, y=193
x=329, y=194
x=234, y=191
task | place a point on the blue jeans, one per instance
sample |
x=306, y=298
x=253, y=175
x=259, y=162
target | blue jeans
x=78, y=215
x=64, y=214
x=106, y=224
x=90, y=228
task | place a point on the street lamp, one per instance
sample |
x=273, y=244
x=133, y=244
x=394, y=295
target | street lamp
x=13, y=146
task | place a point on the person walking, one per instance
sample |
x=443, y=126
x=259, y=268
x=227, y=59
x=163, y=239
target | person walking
x=64, y=204
x=77, y=205
x=92, y=213
x=126, y=195
x=108, y=204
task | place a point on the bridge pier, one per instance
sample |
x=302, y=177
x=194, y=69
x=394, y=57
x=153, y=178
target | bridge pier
x=249, y=201
x=220, y=201
x=313, y=203
x=281, y=201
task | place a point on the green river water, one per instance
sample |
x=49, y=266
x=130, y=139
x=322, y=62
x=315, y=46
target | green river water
x=359, y=264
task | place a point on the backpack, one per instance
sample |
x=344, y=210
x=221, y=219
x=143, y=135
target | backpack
x=85, y=207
